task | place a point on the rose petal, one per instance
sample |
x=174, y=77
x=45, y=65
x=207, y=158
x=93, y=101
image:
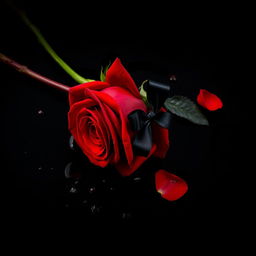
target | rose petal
x=80, y=111
x=97, y=154
x=127, y=102
x=209, y=100
x=160, y=137
x=100, y=137
x=76, y=93
x=117, y=75
x=104, y=98
x=170, y=186
x=75, y=108
x=111, y=122
x=126, y=169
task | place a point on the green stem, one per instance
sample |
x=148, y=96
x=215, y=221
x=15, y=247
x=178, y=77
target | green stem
x=49, y=49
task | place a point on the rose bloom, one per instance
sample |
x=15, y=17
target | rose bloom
x=98, y=121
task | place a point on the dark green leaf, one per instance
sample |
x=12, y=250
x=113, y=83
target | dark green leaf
x=184, y=107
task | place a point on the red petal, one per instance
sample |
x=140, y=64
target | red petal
x=117, y=75
x=76, y=93
x=170, y=186
x=86, y=143
x=107, y=114
x=126, y=101
x=161, y=139
x=104, y=98
x=209, y=100
x=126, y=169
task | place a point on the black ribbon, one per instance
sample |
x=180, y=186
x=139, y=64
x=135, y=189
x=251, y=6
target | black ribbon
x=141, y=122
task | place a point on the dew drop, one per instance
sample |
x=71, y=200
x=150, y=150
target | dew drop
x=71, y=143
x=67, y=171
x=126, y=215
x=92, y=190
x=173, y=78
x=73, y=190
x=95, y=209
x=40, y=112
x=85, y=202
x=112, y=189
x=40, y=168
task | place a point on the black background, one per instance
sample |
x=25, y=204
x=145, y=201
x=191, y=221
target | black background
x=198, y=45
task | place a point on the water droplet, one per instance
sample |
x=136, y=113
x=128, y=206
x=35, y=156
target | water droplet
x=71, y=143
x=126, y=215
x=70, y=173
x=103, y=181
x=67, y=171
x=73, y=190
x=95, y=209
x=40, y=168
x=173, y=78
x=85, y=201
x=92, y=190
x=136, y=179
x=40, y=112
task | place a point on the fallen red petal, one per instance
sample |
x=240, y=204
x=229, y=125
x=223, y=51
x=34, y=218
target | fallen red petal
x=170, y=186
x=209, y=100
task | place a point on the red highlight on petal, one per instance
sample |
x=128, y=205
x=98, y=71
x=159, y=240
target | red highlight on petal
x=209, y=100
x=170, y=186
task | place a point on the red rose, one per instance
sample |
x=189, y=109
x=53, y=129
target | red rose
x=98, y=120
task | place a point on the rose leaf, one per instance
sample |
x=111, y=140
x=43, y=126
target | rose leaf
x=185, y=108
